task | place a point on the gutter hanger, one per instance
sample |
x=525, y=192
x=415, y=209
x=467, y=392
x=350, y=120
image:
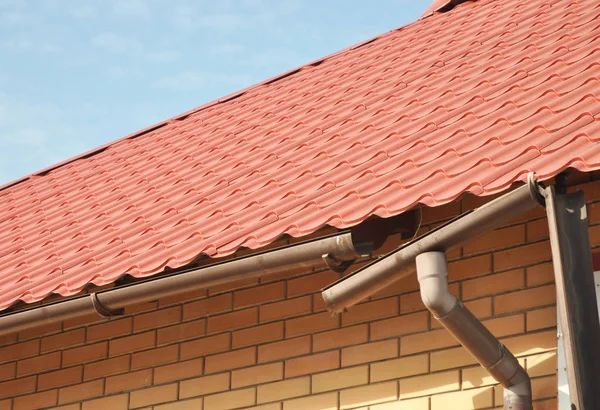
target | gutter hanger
x=335, y=251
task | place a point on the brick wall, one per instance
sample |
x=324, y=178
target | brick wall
x=270, y=344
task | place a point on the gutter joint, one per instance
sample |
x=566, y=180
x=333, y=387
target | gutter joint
x=103, y=310
x=337, y=265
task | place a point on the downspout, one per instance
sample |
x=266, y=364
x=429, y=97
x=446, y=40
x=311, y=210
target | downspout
x=501, y=364
x=336, y=252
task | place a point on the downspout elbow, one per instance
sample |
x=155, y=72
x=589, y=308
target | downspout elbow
x=432, y=272
x=433, y=281
x=517, y=396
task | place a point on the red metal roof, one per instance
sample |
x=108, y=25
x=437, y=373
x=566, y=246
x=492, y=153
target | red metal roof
x=468, y=100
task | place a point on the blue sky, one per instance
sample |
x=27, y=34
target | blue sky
x=76, y=74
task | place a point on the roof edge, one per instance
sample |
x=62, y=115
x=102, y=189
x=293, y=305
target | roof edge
x=441, y=6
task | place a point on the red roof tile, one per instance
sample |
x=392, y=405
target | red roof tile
x=468, y=100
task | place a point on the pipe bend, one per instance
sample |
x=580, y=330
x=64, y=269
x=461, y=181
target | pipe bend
x=432, y=273
x=433, y=280
x=518, y=396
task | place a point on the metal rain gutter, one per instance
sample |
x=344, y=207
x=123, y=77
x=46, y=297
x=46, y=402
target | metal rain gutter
x=336, y=252
x=398, y=264
x=428, y=254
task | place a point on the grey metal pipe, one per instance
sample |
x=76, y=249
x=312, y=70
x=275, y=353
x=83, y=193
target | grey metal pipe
x=330, y=250
x=432, y=272
x=361, y=284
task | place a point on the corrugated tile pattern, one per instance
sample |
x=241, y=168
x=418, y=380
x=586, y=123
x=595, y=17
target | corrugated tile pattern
x=469, y=100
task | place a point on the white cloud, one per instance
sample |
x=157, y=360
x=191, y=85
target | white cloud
x=15, y=17
x=227, y=49
x=83, y=11
x=15, y=12
x=187, y=80
x=116, y=43
x=19, y=44
x=33, y=135
x=265, y=59
x=225, y=21
x=12, y=3
x=119, y=71
x=229, y=15
x=183, y=17
x=51, y=48
x=182, y=81
x=131, y=8
x=15, y=110
x=254, y=3
x=22, y=44
x=163, y=55
x=23, y=28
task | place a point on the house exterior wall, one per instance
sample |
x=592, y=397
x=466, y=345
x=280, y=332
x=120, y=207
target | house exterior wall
x=269, y=344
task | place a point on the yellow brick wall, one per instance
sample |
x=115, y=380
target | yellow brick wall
x=269, y=344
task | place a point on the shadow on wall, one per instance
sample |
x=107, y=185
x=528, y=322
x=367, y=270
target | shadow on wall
x=469, y=388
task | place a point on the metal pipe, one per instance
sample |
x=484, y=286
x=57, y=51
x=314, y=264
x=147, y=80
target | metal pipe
x=364, y=282
x=432, y=272
x=332, y=250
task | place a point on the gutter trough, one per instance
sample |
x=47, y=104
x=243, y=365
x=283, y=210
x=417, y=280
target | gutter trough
x=335, y=251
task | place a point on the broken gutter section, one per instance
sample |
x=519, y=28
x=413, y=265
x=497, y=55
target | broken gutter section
x=337, y=251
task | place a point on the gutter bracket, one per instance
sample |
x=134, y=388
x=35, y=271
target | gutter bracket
x=576, y=298
x=535, y=190
x=335, y=264
x=102, y=310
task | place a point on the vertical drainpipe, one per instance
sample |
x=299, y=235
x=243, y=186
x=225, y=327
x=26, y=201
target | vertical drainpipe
x=432, y=272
